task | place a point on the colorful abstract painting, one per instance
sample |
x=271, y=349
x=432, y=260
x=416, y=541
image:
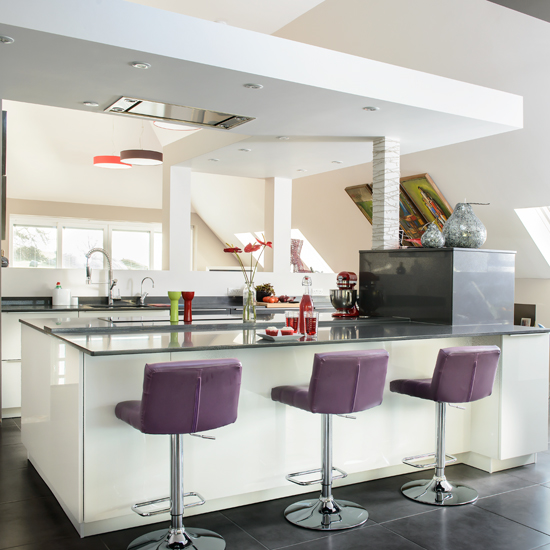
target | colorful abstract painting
x=427, y=198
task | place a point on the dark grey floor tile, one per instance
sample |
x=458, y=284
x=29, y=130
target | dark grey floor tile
x=10, y=434
x=530, y=507
x=382, y=498
x=28, y=521
x=484, y=483
x=71, y=543
x=13, y=457
x=265, y=522
x=234, y=536
x=374, y=537
x=21, y=484
x=467, y=528
x=535, y=473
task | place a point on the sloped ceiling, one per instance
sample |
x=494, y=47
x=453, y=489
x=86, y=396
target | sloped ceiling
x=265, y=17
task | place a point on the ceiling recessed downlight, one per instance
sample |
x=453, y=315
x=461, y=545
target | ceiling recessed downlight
x=283, y=138
x=140, y=65
x=336, y=162
x=245, y=150
x=253, y=86
x=301, y=170
x=6, y=40
x=371, y=108
x=90, y=103
x=214, y=160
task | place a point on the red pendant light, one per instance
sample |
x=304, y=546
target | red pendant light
x=110, y=161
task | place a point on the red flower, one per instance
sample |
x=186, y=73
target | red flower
x=252, y=247
x=268, y=243
x=234, y=250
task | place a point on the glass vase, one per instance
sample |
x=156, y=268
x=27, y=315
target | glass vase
x=249, y=303
x=464, y=229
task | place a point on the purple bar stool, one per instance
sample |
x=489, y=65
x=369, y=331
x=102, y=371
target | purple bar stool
x=182, y=397
x=341, y=383
x=461, y=375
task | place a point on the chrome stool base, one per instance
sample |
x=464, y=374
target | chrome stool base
x=326, y=515
x=190, y=539
x=439, y=492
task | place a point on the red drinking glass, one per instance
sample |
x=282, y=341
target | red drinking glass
x=311, y=318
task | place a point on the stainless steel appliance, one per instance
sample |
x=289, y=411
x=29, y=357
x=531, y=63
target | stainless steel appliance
x=344, y=298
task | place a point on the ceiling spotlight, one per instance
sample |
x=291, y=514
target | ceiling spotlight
x=90, y=103
x=140, y=65
x=301, y=170
x=371, y=108
x=173, y=126
x=253, y=86
x=336, y=162
x=214, y=160
x=6, y=40
x=110, y=161
x=283, y=138
x=141, y=157
x=245, y=150
x=117, y=110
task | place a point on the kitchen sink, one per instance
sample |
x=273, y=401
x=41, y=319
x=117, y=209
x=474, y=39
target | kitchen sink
x=125, y=305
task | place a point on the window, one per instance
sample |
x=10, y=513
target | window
x=309, y=256
x=537, y=222
x=34, y=245
x=63, y=243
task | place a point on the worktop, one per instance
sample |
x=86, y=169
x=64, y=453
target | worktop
x=135, y=335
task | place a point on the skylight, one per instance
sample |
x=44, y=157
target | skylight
x=537, y=222
x=310, y=257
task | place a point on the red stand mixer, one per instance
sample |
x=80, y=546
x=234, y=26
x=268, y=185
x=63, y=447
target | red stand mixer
x=345, y=297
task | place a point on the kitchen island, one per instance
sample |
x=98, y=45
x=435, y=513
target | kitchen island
x=76, y=371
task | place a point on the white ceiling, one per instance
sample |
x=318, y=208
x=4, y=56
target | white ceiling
x=314, y=96
x=254, y=15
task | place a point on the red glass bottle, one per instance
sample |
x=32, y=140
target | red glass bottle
x=306, y=303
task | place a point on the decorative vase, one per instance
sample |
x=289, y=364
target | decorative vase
x=249, y=303
x=464, y=229
x=432, y=237
x=174, y=296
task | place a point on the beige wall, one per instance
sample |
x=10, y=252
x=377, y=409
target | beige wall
x=328, y=218
x=535, y=291
x=208, y=248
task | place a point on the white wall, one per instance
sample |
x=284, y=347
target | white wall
x=478, y=42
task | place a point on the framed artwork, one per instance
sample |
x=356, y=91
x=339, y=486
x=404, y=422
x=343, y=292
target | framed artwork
x=361, y=195
x=427, y=198
x=410, y=219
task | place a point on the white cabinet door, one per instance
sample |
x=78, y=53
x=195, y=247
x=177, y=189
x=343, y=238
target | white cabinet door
x=11, y=384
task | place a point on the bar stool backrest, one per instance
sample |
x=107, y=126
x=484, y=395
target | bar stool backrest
x=464, y=374
x=183, y=397
x=347, y=382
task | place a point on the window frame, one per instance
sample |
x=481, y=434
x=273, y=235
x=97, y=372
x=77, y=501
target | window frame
x=85, y=223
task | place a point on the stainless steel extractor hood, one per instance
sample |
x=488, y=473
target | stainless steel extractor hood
x=155, y=110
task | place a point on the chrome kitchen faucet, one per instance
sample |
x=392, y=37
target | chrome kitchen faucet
x=112, y=282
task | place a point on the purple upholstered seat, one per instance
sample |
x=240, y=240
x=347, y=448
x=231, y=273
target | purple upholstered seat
x=183, y=397
x=341, y=383
x=461, y=375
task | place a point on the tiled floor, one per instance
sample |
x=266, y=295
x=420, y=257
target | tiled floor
x=513, y=513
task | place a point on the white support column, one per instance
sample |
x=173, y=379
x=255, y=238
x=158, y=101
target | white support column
x=385, y=196
x=277, y=222
x=178, y=240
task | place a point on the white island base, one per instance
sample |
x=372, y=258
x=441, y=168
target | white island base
x=98, y=466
